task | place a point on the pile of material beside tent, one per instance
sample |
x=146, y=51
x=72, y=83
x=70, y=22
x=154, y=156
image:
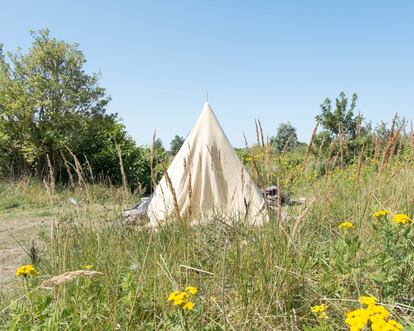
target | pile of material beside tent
x=205, y=177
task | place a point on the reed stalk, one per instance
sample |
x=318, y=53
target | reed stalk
x=66, y=163
x=308, y=150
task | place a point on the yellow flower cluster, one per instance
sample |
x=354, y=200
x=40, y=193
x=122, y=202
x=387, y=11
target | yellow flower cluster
x=401, y=219
x=346, y=225
x=365, y=300
x=381, y=213
x=397, y=218
x=320, y=311
x=182, y=299
x=378, y=317
x=26, y=270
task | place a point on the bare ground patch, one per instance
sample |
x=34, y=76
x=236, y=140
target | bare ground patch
x=17, y=229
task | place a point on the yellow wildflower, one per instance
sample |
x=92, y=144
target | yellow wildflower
x=380, y=311
x=172, y=296
x=401, y=219
x=366, y=300
x=26, y=270
x=191, y=289
x=381, y=213
x=357, y=319
x=375, y=316
x=88, y=266
x=180, y=299
x=346, y=225
x=188, y=306
x=378, y=324
x=394, y=325
x=320, y=311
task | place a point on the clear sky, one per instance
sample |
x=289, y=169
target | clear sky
x=272, y=60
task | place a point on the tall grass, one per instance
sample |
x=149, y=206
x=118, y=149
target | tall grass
x=249, y=278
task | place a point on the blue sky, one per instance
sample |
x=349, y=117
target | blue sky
x=271, y=60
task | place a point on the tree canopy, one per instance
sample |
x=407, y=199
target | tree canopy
x=176, y=144
x=49, y=105
x=341, y=118
x=285, y=138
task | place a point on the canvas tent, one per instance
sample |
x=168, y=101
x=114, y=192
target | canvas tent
x=206, y=176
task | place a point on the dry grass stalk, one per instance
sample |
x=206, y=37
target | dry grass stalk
x=329, y=159
x=223, y=287
x=306, y=159
x=67, y=277
x=174, y=195
x=51, y=175
x=245, y=141
x=404, y=130
x=377, y=147
x=360, y=159
x=48, y=191
x=261, y=132
x=267, y=155
x=151, y=162
x=257, y=133
x=322, y=145
x=187, y=166
x=78, y=168
x=397, y=135
x=242, y=178
x=341, y=148
x=412, y=137
x=256, y=168
x=394, y=120
x=279, y=203
x=89, y=169
x=285, y=148
x=359, y=121
x=389, y=151
x=335, y=160
x=299, y=221
x=121, y=166
x=66, y=163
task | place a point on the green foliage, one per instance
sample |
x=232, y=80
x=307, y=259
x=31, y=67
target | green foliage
x=285, y=138
x=343, y=133
x=176, y=144
x=393, y=275
x=282, y=268
x=341, y=119
x=48, y=103
x=47, y=100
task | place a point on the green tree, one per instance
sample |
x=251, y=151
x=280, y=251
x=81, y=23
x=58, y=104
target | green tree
x=343, y=133
x=47, y=103
x=285, y=138
x=340, y=119
x=47, y=98
x=176, y=144
x=158, y=144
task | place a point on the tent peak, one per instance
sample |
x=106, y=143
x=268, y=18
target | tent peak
x=207, y=107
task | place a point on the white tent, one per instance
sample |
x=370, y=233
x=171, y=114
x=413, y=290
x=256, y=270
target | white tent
x=219, y=181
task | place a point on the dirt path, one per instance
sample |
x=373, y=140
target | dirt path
x=24, y=227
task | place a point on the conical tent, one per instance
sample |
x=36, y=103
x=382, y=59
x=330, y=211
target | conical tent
x=206, y=175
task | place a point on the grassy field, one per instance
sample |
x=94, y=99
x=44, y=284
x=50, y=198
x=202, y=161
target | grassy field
x=248, y=278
